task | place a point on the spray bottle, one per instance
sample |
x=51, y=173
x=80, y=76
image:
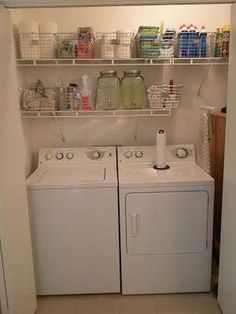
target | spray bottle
x=203, y=42
x=86, y=105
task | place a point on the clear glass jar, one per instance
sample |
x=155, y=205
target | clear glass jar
x=108, y=91
x=133, y=91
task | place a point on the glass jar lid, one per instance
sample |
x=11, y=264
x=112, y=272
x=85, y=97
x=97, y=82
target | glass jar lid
x=108, y=73
x=132, y=72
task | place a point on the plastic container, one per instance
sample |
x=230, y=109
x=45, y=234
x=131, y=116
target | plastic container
x=70, y=99
x=218, y=45
x=107, y=51
x=86, y=94
x=193, y=45
x=108, y=91
x=225, y=41
x=203, y=43
x=124, y=37
x=183, y=41
x=122, y=52
x=85, y=42
x=133, y=91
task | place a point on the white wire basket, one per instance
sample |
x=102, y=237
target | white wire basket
x=29, y=45
x=152, y=44
x=54, y=46
x=203, y=45
x=31, y=100
x=162, y=96
x=116, y=45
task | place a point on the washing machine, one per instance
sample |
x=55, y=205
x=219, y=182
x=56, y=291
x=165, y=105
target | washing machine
x=73, y=205
x=166, y=219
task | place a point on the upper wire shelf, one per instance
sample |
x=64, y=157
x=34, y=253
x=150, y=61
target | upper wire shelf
x=120, y=62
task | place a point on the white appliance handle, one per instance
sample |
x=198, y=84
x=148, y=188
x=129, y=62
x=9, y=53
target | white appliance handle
x=134, y=225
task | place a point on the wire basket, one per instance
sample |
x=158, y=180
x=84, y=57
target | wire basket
x=152, y=44
x=29, y=44
x=31, y=100
x=55, y=46
x=164, y=96
x=202, y=45
x=116, y=45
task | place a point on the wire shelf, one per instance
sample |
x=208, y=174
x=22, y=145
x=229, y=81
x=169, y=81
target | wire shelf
x=120, y=62
x=96, y=113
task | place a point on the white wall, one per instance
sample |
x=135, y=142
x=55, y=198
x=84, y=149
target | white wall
x=227, y=275
x=105, y=19
x=182, y=126
x=14, y=216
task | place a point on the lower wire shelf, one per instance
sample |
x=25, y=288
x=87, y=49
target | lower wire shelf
x=121, y=62
x=96, y=113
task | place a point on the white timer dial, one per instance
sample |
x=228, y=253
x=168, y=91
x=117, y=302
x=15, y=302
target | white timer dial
x=182, y=153
x=139, y=154
x=59, y=156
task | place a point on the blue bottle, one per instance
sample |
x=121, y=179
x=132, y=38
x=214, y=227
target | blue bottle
x=193, y=46
x=183, y=41
x=203, y=43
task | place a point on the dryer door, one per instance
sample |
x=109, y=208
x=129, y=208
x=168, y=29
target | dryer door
x=167, y=222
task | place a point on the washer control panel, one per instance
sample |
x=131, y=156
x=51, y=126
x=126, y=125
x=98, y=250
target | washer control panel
x=147, y=154
x=76, y=155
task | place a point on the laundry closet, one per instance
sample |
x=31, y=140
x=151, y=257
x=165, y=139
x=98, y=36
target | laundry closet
x=185, y=90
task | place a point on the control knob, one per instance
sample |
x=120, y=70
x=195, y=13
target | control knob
x=96, y=154
x=139, y=154
x=128, y=154
x=182, y=153
x=59, y=156
x=48, y=156
x=69, y=155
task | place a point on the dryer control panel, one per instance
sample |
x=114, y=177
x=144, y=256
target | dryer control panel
x=147, y=154
x=52, y=156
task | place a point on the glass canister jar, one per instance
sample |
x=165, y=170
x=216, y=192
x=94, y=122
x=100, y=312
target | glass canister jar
x=108, y=91
x=133, y=90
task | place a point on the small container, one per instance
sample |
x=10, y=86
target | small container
x=107, y=51
x=133, y=91
x=108, y=91
x=124, y=37
x=85, y=42
x=71, y=98
x=67, y=46
x=122, y=52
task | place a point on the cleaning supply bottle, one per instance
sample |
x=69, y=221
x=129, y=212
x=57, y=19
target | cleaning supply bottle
x=183, y=41
x=193, y=42
x=218, y=46
x=86, y=105
x=203, y=42
x=225, y=40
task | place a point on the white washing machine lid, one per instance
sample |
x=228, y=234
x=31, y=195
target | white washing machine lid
x=144, y=175
x=67, y=176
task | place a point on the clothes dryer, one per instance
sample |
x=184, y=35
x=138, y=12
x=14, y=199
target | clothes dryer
x=166, y=222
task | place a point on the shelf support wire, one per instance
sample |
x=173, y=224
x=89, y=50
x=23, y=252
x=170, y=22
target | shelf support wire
x=205, y=77
x=62, y=137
